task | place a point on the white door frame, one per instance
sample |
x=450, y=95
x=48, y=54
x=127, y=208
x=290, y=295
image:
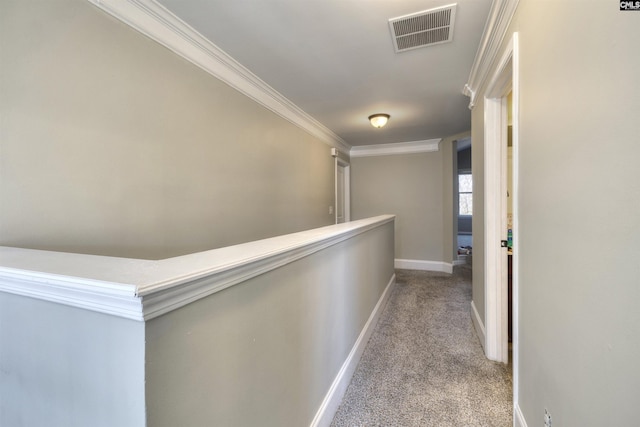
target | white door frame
x=504, y=80
x=347, y=189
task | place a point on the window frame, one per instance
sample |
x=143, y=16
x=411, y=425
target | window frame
x=460, y=173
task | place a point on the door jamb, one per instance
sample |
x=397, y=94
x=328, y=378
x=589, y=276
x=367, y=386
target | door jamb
x=504, y=80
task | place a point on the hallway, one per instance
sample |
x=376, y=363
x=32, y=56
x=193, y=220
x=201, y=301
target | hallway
x=424, y=365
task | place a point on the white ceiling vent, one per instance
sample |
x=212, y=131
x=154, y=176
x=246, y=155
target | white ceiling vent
x=423, y=29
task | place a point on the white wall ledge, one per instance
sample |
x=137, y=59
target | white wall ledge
x=143, y=289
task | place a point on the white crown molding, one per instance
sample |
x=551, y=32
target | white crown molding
x=144, y=289
x=159, y=24
x=494, y=32
x=411, y=147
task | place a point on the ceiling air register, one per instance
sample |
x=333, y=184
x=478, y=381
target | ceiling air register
x=422, y=29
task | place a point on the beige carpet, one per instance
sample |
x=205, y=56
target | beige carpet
x=424, y=365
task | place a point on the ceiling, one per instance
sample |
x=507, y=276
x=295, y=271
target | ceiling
x=335, y=60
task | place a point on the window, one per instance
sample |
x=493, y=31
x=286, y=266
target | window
x=465, y=194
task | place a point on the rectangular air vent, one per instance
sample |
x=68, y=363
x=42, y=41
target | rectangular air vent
x=423, y=29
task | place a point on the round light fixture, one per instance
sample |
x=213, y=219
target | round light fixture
x=379, y=120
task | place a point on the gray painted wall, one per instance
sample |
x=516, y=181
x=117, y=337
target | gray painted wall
x=579, y=190
x=266, y=351
x=128, y=150
x=67, y=367
x=409, y=186
x=262, y=352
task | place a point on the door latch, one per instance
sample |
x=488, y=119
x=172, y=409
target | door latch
x=504, y=244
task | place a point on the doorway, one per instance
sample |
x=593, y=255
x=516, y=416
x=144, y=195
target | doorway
x=463, y=201
x=342, y=191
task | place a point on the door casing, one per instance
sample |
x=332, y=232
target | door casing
x=342, y=191
x=504, y=81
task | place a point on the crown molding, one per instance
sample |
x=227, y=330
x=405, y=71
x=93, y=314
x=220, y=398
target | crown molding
x=495, y=29
x=159, y=24
x=412, y=147
x=141, y=290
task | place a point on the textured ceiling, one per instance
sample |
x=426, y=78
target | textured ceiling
x=335, y=60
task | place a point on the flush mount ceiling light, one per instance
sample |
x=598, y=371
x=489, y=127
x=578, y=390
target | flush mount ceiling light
x=379, y=120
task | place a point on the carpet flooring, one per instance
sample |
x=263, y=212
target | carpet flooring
x=424, y=365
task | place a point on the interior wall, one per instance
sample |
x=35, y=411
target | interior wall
x=266, y=351
x=62, y=366
x=409, y=186
x=579, y=199
x=113, y=145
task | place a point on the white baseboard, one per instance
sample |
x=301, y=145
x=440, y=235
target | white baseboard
x=459, y=262
x=518, y=418
x=417, y=264
x=478, y=324
x=332, y=399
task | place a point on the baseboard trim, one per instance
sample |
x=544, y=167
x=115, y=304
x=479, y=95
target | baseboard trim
x=417, y=264
x=334, y=396
x=478, y=324
x=518, y=418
